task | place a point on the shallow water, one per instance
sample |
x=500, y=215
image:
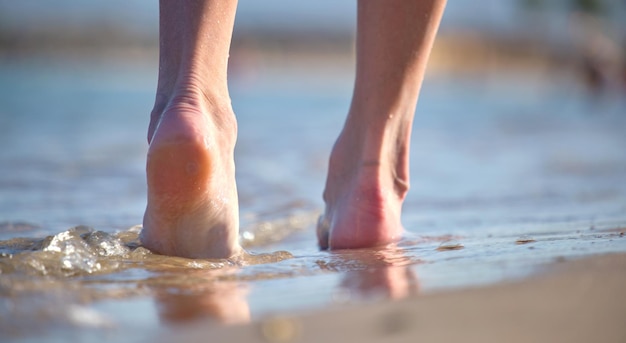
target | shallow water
x=509, y=173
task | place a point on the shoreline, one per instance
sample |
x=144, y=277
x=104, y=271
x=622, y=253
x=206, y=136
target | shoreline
x=570, y=301
x=454, y=51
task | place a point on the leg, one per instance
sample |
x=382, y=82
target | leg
x=368, y=175
x=192, y=206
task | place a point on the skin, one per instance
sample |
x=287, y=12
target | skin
x=368, y=175
x=192, y=208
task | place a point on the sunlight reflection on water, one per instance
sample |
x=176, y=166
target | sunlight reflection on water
x=491, y=164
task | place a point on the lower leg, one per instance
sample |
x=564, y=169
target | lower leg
x=368, y=175
x=192, y=206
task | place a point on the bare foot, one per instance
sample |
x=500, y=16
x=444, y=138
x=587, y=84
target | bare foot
x=192, y=206
x=363, y=199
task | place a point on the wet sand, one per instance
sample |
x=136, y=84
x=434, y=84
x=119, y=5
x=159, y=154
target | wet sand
x=573, y=301
x=522, y=171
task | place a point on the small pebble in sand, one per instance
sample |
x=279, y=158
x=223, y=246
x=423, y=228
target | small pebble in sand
x=450, y=245
x=396, y=322
x=524, y=239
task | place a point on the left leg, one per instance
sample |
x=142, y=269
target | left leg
x=192, y=208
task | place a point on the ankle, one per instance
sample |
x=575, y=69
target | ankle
x=370, y=162
x=190, y=99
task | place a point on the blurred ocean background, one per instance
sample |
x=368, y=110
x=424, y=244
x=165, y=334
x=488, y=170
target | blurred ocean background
x=518, y=157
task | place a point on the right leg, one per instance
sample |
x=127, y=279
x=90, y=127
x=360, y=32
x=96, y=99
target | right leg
x=368, y=172
x=192, y=206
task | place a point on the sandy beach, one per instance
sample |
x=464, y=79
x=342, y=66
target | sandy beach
x=570, y=301
x=521, y=172
x=515, y=221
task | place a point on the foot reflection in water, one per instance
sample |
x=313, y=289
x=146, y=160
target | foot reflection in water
x=220, y=300
x=374, y=274
x=216, y=294
x=388, y=282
